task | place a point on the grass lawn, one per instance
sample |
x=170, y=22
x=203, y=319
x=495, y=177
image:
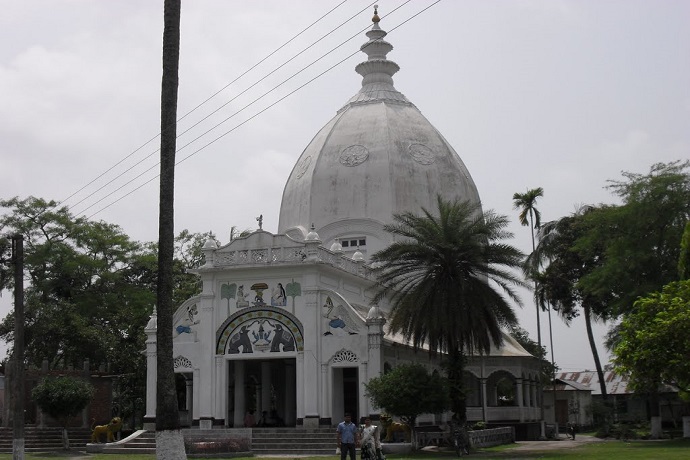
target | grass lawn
x=611, y=450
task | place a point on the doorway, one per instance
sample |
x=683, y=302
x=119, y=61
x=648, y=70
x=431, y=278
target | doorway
x=345, y=393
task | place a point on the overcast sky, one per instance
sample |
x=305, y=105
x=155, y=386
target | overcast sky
x=558, y=94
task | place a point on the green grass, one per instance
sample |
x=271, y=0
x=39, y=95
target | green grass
x=610, y=450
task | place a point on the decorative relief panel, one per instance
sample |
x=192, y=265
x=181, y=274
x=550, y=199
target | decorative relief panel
x=354, y=155
x=345, y=356
x=302, y=167
x=182, y=362
x=422, y=154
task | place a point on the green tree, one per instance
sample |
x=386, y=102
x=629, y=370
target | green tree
x=437, y=277
x=637, y=243
x=558, y=282
x=408, y=391
x=653, y=346
x=62, y=398
x=90, y=291
x=82, y=300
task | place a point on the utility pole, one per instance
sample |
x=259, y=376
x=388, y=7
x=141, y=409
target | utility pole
x=18, y=359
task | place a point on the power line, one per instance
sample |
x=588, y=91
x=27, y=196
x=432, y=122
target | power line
x=256, y=114
x=213, y=112
x=198, y=106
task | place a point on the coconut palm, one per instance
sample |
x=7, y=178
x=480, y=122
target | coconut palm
x=527, y=204
x=437, y=277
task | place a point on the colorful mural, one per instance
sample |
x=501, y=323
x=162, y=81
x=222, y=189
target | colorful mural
x=185, y=324
x=339, y=321
x=279, y=294
x=260, y=330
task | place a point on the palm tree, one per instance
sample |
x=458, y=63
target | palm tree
x=169, y=440
x=527, y=204
x=437, y=279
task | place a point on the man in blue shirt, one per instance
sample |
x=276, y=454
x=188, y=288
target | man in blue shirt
x=348, y=438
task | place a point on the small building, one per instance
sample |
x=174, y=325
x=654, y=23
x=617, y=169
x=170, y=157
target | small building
x=627, y=405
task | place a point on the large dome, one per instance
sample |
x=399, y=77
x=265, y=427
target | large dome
x=377, y=157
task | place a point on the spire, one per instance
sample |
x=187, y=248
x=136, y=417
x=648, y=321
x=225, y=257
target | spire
x=377, y=70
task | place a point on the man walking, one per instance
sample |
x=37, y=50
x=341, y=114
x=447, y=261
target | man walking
x=348, y=438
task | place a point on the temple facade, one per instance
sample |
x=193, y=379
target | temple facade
x=285, y=328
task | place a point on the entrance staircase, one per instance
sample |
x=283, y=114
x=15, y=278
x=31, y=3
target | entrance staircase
x=293, y=441
x=265, y=441
x=45, y=439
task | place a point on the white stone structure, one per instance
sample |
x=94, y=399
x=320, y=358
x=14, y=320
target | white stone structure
x=285, y=323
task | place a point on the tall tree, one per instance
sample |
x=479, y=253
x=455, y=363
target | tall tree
x=446, y=278
x=169, y=439
x=558, y=283
x=530, y=215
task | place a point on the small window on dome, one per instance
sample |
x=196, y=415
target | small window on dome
x=354, y=243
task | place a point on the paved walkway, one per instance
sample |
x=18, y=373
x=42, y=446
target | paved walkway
x=563, y=443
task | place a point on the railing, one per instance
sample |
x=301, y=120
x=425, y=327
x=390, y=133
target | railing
x=291, y=254
x=433, y=435
x=492, y=437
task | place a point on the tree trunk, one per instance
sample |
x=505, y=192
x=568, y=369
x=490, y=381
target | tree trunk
x=456, y=367
x=595, y=354
x=17, y=366
x=169, y=440
x=65, y=438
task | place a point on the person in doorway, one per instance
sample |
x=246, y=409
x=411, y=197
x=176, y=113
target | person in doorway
x=348, y=438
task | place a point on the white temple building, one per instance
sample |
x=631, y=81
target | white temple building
x=285, y=322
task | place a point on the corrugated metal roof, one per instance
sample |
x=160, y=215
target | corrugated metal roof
x=616, y=384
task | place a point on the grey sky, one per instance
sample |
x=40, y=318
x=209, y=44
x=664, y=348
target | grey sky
x=558, y=94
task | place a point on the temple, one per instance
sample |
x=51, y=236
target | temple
x=285, y=327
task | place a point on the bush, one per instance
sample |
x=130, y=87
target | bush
x=62, y=397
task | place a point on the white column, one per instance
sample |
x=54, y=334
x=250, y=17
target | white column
x=362, y=377
x=151, y=372
x=220, y=408
x=196, y=390
x=311, y=370
x=299, y=369
x=238, y=416
x=326, y=401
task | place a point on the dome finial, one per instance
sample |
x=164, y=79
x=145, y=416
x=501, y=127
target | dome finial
x=376, y=17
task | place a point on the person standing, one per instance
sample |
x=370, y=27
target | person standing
x=370, y=441
x=348, y=437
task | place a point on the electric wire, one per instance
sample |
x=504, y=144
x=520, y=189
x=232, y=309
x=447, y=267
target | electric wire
x=254, y=116
x=201, y=104
x=210, y=114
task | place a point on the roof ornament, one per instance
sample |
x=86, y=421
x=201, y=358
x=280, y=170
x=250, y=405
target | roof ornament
x=376, y=17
